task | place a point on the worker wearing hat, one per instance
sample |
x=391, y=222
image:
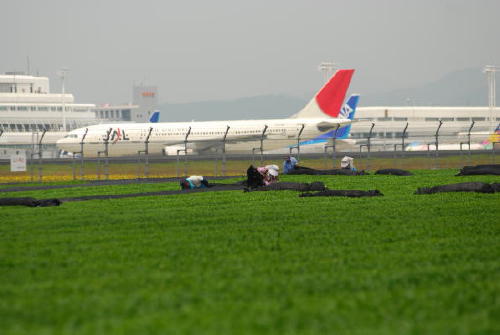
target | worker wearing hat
x=289, y=164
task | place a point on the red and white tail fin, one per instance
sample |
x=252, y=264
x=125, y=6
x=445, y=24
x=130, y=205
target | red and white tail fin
x=328, y=101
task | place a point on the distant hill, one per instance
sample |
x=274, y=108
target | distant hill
x=460, y=88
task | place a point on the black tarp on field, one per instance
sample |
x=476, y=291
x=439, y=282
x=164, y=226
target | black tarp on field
x=344, y=193
x=331, y=172
x=394, y=172
x=487, y=169
x=459, y=187
x=29, y=202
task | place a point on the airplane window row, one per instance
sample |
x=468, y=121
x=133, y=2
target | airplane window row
x=169, y=133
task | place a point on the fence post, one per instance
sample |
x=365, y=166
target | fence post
x=298, y=142
x=261, y=148
x=73, y=167
x=40, y=159
x=106, y=158
x=98, y=165
x=185, y=154
x=146, y=145
x=105, y=152
x=468, y=142
x=177, y=163
x=369, y=145
x=403, y=140
x=82, y=143
x=32, y=155
x=403, y=136
x=185, y=150
x=223, y=168
x=216, y=162
x=81, y=156
x=437, y=143
x=146, y=156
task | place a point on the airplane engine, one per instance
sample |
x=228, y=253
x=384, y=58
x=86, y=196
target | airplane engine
x=174, y=150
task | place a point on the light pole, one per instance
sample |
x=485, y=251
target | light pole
x=490, y=71
x=327, y=68
x=62, y=73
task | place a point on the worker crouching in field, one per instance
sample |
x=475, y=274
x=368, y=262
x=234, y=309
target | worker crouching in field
x=269, y=173
x=289, y=164
x=347, y=163
x=262, y=176
x=194, y=182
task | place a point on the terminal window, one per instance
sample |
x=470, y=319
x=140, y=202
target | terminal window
x=126, y=114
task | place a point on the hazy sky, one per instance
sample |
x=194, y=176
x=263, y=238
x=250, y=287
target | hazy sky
x=208, y=50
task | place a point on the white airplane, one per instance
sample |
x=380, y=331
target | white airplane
x=321, y=114
x=486, y=144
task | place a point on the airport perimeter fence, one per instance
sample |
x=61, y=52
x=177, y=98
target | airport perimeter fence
x=371, y=151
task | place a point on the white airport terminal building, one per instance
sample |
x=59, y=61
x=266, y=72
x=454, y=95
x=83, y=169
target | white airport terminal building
x=28, y=107
x=389, y=122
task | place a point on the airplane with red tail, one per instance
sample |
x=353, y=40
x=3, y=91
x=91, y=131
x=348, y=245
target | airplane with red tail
x=320, y=115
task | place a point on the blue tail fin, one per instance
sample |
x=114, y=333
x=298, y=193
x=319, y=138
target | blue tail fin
x=347, y=112
x=155, y=117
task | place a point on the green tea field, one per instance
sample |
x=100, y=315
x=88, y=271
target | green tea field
x=255, y=263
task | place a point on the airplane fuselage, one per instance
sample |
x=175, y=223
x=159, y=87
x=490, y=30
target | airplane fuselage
x=128, y=139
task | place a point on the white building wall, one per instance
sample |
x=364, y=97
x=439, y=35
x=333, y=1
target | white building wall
x=146, y=97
